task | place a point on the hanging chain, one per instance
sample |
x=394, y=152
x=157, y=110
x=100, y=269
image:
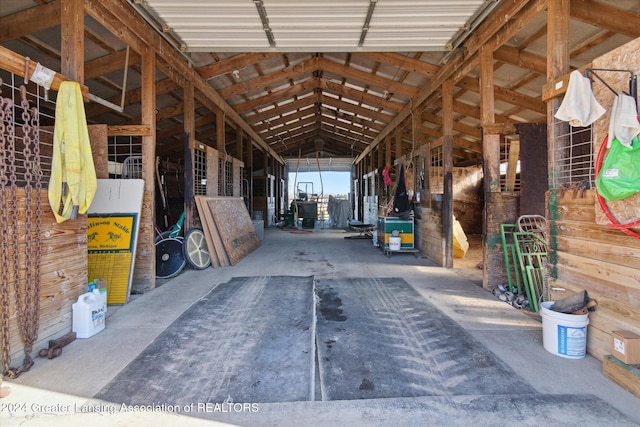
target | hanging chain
x=27, y=291
x=37, y=172
x=6, y=130
x=29, y=309
x=14, y=256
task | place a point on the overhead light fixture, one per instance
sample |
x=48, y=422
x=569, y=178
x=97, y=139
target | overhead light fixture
x=236, y=74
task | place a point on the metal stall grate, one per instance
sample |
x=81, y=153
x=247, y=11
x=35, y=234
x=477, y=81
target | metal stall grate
x=125, y=157
x=228, y=178
x=436, y=171
x=572, y=151
x=199, y=172
x=38, y=100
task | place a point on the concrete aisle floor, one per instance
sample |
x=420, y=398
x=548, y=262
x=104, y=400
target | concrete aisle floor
x=59, y=391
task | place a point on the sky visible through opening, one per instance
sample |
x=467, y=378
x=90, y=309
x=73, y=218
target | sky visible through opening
x=333, y=183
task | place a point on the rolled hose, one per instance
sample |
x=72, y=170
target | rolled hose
x=603, y=204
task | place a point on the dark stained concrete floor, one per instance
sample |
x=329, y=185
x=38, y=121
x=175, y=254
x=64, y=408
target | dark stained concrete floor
x=548, y=389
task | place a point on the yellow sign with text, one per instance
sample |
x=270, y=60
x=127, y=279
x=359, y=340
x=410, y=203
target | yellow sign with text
x=110, y=233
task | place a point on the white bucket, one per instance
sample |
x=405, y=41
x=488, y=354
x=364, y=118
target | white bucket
x=394, y=243
x=89, y=314
x=564, y=335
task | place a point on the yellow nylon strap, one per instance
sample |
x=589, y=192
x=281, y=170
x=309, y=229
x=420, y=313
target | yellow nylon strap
x=72, y=162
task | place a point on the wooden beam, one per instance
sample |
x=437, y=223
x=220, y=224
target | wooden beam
x=558, y=38
x=403, y=62
x=606, y=17
x=398, y=144
x=145, y=270
x=447, y=108
x=464, y=56
x=16, y=64
x=301, y=103
x=367, y=115
x=279, y=124
x=178, y=131
x=189, y=123
x=277, y=134
x=236, y=62
x=118, y=17
x=359, y=96
x=490, y=143
x=220, y=133
x=521, y=59
x=367, y=78
x=277, y=96
x=460, y=127
x=133, y=97
x=447, y=199
x=507, y=95
x=499, y=129
x=72, y=39
x=30, y=21
x=357, y=130
x=108, y=63
x=129, y=130
x=306, y=67
x=558, y=60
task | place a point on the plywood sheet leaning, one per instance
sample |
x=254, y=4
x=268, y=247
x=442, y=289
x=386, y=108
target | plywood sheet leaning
x=233, y=224
x=214, y=244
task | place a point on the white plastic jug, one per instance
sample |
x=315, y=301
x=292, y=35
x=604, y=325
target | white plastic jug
x=89, y=314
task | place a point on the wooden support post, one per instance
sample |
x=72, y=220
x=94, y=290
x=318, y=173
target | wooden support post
x=387, y=150
x=239, y=144
x=558, y=17
x=145, y=270
x=490, y=142
x=398, y=143
x=72, y=39
x=189, y=141
x=220, y=131
x=493, y=257
x=221, y=146
x=447, y=163
x=249, y=170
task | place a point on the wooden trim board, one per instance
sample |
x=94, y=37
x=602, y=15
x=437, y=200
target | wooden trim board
x=626, y=376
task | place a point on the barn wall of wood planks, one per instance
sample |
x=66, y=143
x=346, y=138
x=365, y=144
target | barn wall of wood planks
x=63, y=276
x=585, y=253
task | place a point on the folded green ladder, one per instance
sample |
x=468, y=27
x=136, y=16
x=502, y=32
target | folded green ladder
x=531, y=253
x=510, y=256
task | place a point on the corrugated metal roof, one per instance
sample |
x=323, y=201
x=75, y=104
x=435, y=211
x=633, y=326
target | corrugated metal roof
x=316, y=26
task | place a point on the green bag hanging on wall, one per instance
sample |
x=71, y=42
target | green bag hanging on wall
x=619, y=176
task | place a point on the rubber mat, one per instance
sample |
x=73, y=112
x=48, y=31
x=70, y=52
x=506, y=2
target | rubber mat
x=379, y=338
x=248, y=340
